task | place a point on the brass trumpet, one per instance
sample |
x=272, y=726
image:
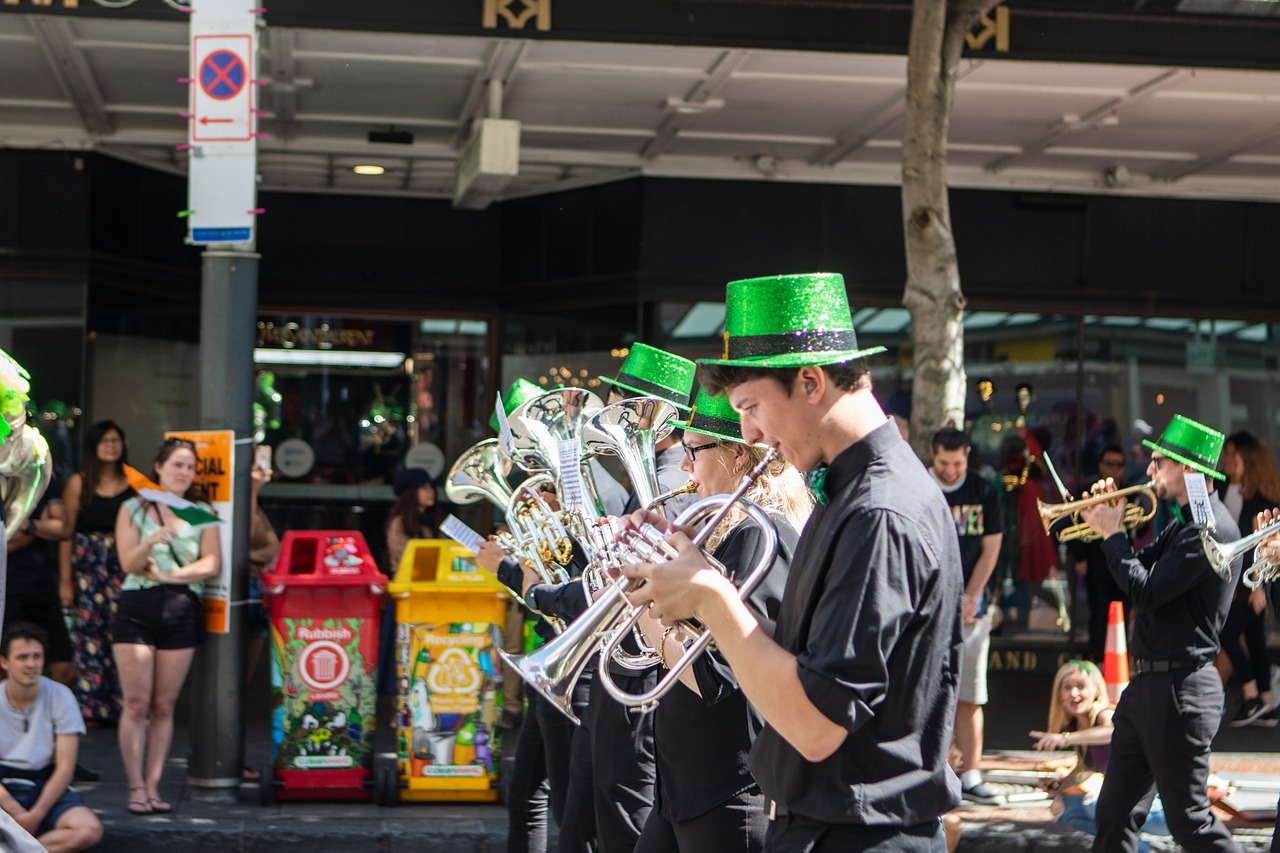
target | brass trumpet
x=1134, y=514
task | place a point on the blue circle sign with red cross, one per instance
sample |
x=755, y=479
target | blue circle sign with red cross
x=222, y=75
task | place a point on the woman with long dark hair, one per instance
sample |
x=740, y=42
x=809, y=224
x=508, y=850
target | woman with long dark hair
x=1253, y=482
x=159, y=621
x=90, y=574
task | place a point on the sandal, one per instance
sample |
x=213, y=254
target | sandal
x=139, y=807
x=251, y=775
x=158, y=806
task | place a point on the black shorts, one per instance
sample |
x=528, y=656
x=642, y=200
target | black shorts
x=44, y=610
x=165, y=617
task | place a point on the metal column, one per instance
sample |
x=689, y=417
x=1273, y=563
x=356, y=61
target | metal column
x=228, y=323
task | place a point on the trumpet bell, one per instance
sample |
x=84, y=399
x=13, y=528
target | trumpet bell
x=554, y=669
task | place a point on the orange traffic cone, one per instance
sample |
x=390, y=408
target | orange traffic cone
x=1115, y=663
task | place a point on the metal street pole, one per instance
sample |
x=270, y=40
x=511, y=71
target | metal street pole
x=228, y=323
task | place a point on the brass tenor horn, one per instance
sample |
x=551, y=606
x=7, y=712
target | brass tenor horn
x=553, y=670
x=1134, y=514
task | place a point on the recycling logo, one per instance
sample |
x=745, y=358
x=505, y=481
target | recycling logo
x=454, y=672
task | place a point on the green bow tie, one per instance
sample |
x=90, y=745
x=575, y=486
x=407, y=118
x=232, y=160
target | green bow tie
x=815, y=480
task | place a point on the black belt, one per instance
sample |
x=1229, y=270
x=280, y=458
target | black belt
x=1142, y=666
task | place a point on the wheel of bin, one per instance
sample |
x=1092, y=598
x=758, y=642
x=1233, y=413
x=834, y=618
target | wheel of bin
x=266, y=786
x=386, y=782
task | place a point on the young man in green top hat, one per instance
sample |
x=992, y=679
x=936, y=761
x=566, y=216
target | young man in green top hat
x=856, y=680
x=1169, y=713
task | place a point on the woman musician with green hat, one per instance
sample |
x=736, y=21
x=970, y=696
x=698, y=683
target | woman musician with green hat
x=857, y=680
x=1167, y=716
x=706, y=798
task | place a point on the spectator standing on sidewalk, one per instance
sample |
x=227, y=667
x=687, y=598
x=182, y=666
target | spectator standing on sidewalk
x=90, y=568
x=31, y=594
x=975, y=508
x=40, y=729
x=1091, y=564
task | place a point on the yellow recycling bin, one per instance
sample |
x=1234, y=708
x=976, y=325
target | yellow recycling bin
x=450, y=617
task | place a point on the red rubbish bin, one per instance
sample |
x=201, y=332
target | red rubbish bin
x=324, y=594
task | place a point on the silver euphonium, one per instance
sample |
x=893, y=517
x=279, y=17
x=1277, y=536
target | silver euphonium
x=1222, y=554
x=554, y=669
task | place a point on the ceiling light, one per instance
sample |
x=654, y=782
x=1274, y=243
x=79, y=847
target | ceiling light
x=693, y=108
x=328, y=357
x=368, y=169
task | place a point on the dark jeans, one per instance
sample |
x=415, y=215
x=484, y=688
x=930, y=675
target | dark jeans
x=735, y=826
x=1252, y=662
x=796, y=834
x=1164, y=725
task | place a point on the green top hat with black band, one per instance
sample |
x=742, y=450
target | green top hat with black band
x=714, y=416
x=1190, y=443
x=520, y=392
x=652, y=372
x=789, y=321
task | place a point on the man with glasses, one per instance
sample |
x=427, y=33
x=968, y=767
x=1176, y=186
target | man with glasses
x=1091, y=563
x=1167, y=717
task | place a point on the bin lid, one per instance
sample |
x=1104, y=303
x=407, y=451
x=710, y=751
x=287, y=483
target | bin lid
x=324, y=558
x=442, y=565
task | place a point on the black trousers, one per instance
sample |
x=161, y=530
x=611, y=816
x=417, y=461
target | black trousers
x=568, y=751
x=622, y=764
x=1101, y=589
x=796, y=834
x=528, y=791
x=1164, y=725
x=737, y=825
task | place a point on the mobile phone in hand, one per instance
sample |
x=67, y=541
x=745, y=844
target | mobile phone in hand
x=262, y=457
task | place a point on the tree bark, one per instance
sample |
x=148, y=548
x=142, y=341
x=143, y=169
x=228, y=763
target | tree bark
x=932, y=293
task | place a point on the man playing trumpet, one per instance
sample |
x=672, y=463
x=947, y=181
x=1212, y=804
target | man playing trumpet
x=856, y=681
x=1168, y=715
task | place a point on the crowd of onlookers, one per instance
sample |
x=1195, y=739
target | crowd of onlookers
x=103, y=595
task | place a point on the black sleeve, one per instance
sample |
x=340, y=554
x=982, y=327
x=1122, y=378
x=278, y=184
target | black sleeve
x=565, y=601
x=739, y=552
x=510, y=574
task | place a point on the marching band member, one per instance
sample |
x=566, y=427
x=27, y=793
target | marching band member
x=857, y=684
x=1167, y=717
x=707, y=799
x=619, y=740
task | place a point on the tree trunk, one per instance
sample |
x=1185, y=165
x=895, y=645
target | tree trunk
x=932, y=293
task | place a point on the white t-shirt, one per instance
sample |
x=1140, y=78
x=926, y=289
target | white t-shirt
x=27, y=737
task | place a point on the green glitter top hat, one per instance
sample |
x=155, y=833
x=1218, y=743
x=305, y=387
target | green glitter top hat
x=714, y=416
x=1190, y=443
x=789, y=321
x=652, y=372
x=521, y=391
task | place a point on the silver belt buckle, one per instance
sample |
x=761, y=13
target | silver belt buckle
x=773, y=810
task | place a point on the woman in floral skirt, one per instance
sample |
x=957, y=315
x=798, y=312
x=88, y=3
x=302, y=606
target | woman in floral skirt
x=91, y=575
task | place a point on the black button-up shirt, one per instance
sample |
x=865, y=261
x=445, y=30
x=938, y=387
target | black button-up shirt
x=872, y=613
x=1179, y=602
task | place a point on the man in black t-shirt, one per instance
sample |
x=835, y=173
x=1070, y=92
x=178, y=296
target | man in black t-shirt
x=975, y=509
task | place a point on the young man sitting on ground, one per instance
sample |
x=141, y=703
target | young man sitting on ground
x=40, y=729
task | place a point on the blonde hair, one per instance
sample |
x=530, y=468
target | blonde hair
x=780, y=490
x=1058, y=715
